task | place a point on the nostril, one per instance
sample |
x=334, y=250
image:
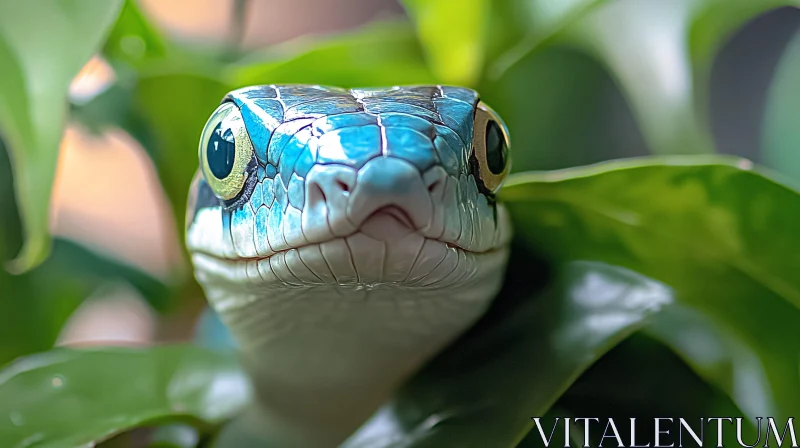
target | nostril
x=432, y=187
x=343, y=186
x=316, y=195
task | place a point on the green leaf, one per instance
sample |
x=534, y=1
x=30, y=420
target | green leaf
x=517, y=360
x=781, y=134
x=43, y=44
x=661, y=54
x=642, y=378
x=81, y=397
x=712, y=22
x=723, y=357
x=380, y=54
x=506, y=26
x=73, y=261
x=543, y=20
x=721, y=234
x=664, y=65
x=563, y=110
x=453, y=33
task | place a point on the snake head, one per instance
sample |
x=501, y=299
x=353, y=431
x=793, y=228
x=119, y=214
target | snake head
x=297, y=179
x=345, y=236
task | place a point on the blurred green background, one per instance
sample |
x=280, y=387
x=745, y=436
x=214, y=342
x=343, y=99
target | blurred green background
x=101, y=156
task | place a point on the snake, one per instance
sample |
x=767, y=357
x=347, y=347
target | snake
x=345, y=237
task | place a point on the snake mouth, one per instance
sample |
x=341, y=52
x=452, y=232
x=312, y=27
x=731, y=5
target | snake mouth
x=358, y=260
x=395, y=212
x=387, y=247
x=356, y=234
x=387, y=224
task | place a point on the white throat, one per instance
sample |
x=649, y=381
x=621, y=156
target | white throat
x=324, y=357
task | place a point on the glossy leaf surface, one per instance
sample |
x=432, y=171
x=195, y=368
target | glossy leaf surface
x=80, y=397
x=722, y=235
x=518, y=360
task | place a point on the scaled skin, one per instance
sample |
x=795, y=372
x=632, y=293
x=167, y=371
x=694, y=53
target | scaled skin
x=360, y=246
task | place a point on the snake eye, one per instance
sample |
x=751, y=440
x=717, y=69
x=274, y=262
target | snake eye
x=489, y=149
x=225, y=150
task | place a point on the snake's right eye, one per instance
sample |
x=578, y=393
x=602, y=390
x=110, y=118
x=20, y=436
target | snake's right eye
x=489, y=149
x=225, y=151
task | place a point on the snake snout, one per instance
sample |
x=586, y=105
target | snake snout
x=341, y=200
x=391, y=187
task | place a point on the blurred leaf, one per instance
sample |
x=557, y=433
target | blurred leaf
x=175, y=107
x=563, y=110
x=114, y=108
x=35, y=305
x=10, y=226
x=721, y=235
x=453, y=33
x=558, y=99
x=43, y=44
x=107, y=109
x=712, y=22
x=781, y=132
x=237, y=26
x=81, y=397
x=72, y=260
x=174, y=436
x=517, y=360
x=661, y=54
x=544, y=19
x=133, y=39
x=380, y=54
x=506, y=26
x=170, y=435
x=135, y=47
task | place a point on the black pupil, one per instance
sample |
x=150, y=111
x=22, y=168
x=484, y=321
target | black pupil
x=220, y=152
x=496, y=149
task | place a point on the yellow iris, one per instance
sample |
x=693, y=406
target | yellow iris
x=490, y=147
x=225, y=124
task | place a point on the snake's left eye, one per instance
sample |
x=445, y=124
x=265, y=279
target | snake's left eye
x=489, y=149
x=225, y=151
